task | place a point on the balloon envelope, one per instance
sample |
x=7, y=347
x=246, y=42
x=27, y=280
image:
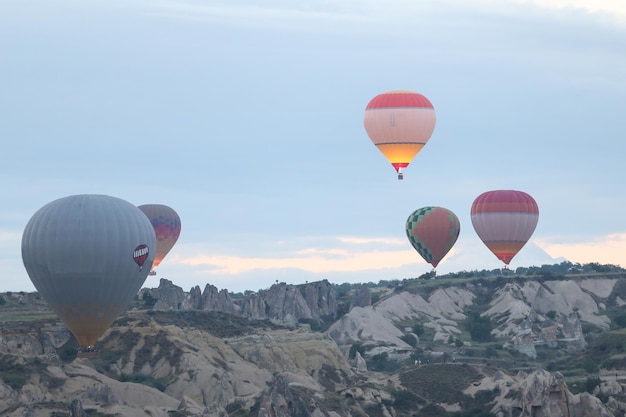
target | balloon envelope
x=433, y=231
x=504, y=220
x=88, y=256
x=399, y=123
x=166, y=224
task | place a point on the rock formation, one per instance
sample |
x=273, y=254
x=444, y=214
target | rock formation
x=280, y=302
x=204, y=353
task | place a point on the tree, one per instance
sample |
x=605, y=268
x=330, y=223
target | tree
x=479, y=327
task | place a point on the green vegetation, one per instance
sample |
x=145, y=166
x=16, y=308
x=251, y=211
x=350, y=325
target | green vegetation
x=484, y=277
x=237, y=409
x=444, y=383
x=409, y=339
x=139, y=378
x=357, y=347
x=213, y=322
x=13, y=373
x=148, y=301
x=479, y=327
x=16, y=373
x=23, y=307
x=67, y=353
x=316, y=325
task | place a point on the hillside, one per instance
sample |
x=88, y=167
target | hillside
x=514, y=345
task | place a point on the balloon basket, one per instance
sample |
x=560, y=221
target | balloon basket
x=87, y=352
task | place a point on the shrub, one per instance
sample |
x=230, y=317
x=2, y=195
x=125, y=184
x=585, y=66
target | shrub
x=357, y=347
x=479, y=327
x=591, y=383
x=589, y=365
x=378, y=362
x=418, y=329
x=409, y=339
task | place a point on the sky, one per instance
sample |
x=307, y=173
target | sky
x=246, y=117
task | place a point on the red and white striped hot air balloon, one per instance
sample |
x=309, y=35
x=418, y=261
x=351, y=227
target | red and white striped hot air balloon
x=399, y=123
x=504, y=220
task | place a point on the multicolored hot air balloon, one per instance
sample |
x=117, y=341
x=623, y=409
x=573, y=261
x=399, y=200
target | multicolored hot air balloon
x=166, y=225
x=88, y=256
x=504, y=220
x=399, y=123
x=433, y=231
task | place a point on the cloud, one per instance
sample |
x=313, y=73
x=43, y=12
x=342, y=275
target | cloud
x=614, y=7
x=609, y=249
x=338, y=259
x=367, y=240
x=277, y=14
x=311, y=259
x=386, y=257
x=304, y=15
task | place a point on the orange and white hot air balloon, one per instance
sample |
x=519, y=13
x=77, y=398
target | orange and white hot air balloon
x=399, y=123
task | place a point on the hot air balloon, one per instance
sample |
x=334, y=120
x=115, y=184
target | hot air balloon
x=166, y=225
x=432, y=231
x=504, y=220
x=88, y=256
x=399, y=123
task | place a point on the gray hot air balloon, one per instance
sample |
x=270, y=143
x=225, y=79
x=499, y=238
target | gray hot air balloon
x=88, y=256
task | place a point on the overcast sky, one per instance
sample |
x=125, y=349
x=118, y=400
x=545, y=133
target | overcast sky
x=246, y=117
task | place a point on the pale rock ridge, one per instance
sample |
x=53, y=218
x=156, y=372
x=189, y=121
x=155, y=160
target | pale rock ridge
x=540, y=393
x=520, y=313
x=273, y=369
x=282, y=302
x=218, y=300
x=600, y=287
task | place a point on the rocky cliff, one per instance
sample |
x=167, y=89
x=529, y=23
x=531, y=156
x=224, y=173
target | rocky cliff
x=168, y=364
x=203, y=353
x=287, y=303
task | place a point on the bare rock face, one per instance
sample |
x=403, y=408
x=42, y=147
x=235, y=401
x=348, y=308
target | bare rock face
x=216, y=300
x=279, y=401
x=208, y=364
x=540, y=393
x=193, y=301
x=76, y=408
x=551, y=313
x=168, y=296
x=320, y=297
x=29, y=342
x=254, y=307
x=268, y=372
x=307, y=301
x=292, y=302
x=281, y=302
x=589, y=406
x=360, y=363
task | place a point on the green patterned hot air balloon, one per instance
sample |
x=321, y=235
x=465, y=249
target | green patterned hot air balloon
x=88, y=256
x=432, y=231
